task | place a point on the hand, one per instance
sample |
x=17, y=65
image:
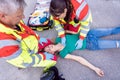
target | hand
x=79, y=44
x=49, y=56
x=42, y=40
x=63, y=40
x=99, y=72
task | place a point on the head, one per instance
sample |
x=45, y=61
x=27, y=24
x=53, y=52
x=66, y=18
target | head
x=52, y=48
x=61, y=8
x=11, y=11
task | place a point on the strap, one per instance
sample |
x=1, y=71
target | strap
x=8, y=30
x=61, y=21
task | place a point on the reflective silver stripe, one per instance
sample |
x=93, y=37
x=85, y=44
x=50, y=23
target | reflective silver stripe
x=83, y=31
x=80, y=8
x=79, y=1
x=14, y=55
x=33, y=61
x=59, y=28
x=31, y=51
x=8, y=43
x=86, y=27
x=39, y=58
x=30, y=64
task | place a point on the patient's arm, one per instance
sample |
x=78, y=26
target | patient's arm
x=84, y=62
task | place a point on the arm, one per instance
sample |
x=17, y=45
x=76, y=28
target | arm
x=83, y=30
x=59, y=29
x=85, y=26
x=85, y=63
x=61, y=32
x=58, y=26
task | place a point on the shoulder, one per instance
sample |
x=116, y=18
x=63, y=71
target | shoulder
x=6, y=36
x=8, y=45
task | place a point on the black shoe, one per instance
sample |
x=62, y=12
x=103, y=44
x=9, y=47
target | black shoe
x=51, y=74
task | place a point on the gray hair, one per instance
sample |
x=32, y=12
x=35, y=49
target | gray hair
x=11, y=6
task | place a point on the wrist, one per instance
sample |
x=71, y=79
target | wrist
x=63, y=35
x=95, y=69
x=81, y=37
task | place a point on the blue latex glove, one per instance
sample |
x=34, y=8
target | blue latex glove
x=63, y=40
x=42, y=40
x=48, y=56
x=79, y=44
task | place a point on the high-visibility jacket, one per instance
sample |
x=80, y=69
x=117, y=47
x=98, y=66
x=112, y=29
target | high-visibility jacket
x=57, y=23
x=82, y=13
x=20, y=48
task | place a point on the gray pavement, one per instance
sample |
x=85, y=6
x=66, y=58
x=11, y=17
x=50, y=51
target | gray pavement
x=105, y=14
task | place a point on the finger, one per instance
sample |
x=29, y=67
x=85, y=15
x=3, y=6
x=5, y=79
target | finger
x=76, y=44
x=101, y=74
x=77, y=47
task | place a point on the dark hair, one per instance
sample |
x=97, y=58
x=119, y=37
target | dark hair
x=58, y=6
x=43, y=50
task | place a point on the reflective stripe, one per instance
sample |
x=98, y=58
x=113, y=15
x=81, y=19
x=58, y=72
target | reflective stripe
x=80, y=8
x=40, y=58
x=33, y=61
x=61, y=33
x=14, y=55
x=82, y=28
x=83, y=34
x=86, y=22
x=83, y=31
x=86, y=27
x=60, y=30
x=58, y=26
x=32, y=51
x=4, y=43
x=30, y=64
x=79, y=1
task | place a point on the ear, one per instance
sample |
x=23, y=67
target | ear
x=2, y=16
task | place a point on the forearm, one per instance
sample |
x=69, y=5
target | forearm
x=85, y=26
x=81, y=61
x=83, y=31
x=60, y=30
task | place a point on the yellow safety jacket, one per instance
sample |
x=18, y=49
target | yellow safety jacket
x=20, y=48
x=82, y=13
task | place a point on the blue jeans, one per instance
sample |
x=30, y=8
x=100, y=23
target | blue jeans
x=94, y=41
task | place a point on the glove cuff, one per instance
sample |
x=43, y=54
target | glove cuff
x=63, y=35
x=81, y=37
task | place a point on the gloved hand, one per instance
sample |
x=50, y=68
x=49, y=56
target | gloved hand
x=42, y=40
x=63, y=40
x=48, y=56
x=79, y=44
